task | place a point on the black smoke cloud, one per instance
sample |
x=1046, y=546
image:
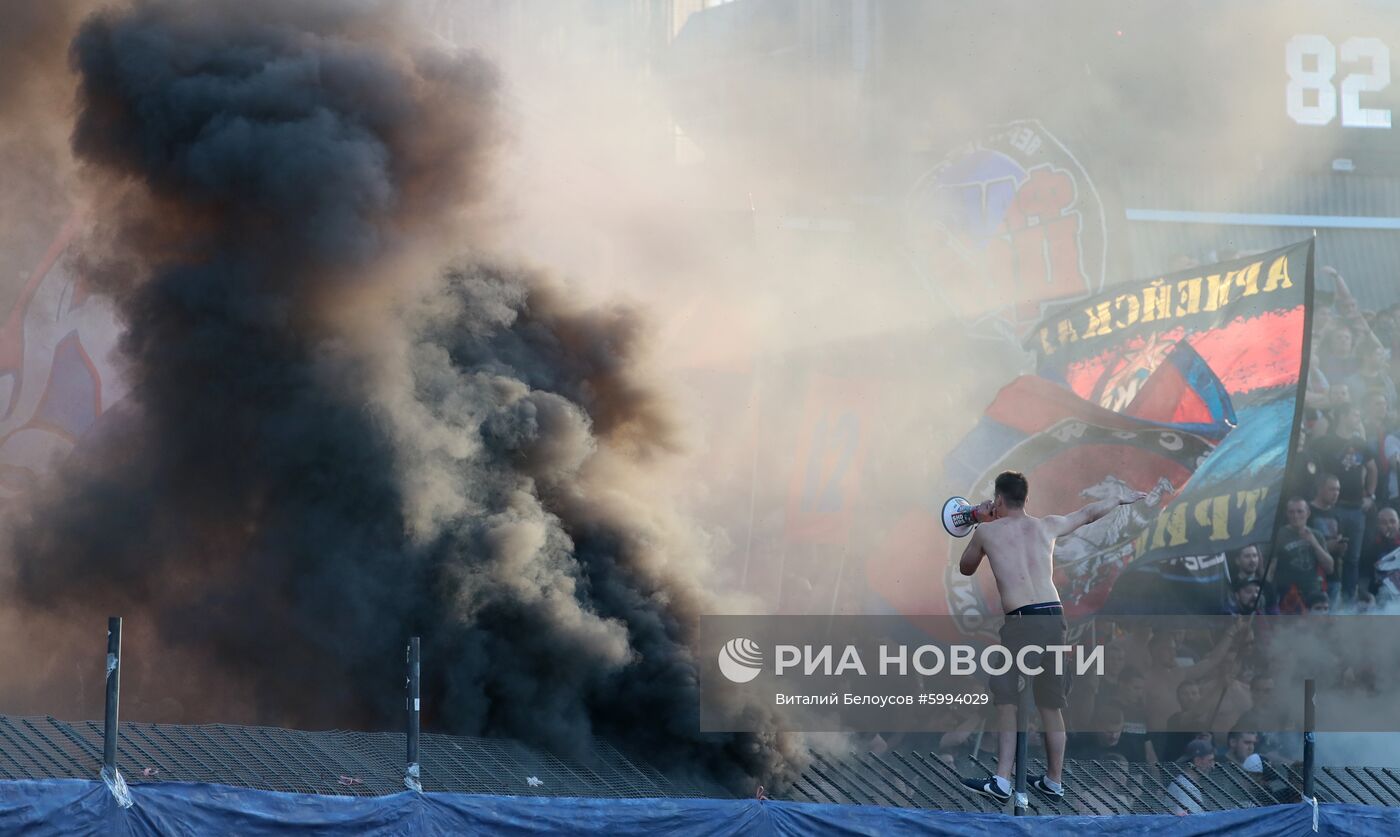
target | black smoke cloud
x=322, y=454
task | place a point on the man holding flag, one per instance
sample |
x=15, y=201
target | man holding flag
x=1018, y=548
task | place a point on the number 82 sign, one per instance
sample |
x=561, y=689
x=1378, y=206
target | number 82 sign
x=1312, y=95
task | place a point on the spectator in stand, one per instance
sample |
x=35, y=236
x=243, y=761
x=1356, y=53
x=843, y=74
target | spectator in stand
x=1249, y=566
x=1338, y=397
x=1248, y=563
x=1385, y=447
x=1322, y=511
x=1316, y=396
x=1385, y=541
x=1226, y=693
x=1187, y=725
x=1387, y=331
x=1090, y=690
x=1166, y=676
x=1244, y=598
x=1385, y=450
x=1319, y=605
x=1102, y=739
x=1301, y=478
x=1205, y=735
x=1324, y=320
x=1345, y=454
x=1266, y=786
x=1263, y=712
x=1184, y=794
x=1388, y=575
x=1373, y=374
x=1384, y=327
x=1301, y=562
x=1115, y=659
x=1269, y=715
x=1338, y=360
x=1134, y=742
x=1260, y=788
x=1323, y=516
x=1136, y=636
x=1392, y=323
x=1316, y=423
x=1240, y=746
x=1365, y=601
x=1335, y=358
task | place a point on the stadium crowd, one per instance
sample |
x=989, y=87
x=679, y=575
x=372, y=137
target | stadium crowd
x=1340, y=541
x=1207, y=700
x=1196, y=700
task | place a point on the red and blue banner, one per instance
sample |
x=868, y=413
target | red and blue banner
x=1185, y=387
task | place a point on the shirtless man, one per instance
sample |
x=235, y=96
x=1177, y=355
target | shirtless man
x=1019, y=549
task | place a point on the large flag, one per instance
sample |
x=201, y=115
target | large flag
x=1184, y=386
x=1256, y=339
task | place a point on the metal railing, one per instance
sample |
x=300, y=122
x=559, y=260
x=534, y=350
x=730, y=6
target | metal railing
x=332, y=762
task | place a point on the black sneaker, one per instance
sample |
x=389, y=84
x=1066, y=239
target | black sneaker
x=1039, y=784
x=987, y=787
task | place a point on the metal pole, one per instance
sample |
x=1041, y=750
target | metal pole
x=977, y=741
x=1309, y=725
x=1019, y=799
x=412, y=774
x=114, y=676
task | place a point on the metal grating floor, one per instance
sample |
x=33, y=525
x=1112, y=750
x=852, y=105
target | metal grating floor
x=371, y=764
x=333, y=762
x=923, y=780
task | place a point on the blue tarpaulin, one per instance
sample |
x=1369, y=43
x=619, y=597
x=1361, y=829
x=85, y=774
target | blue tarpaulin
x=73, y=806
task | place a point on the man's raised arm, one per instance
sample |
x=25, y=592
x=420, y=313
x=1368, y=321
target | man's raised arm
x=1064, y=524
x=972, y=555
x=1217, y=655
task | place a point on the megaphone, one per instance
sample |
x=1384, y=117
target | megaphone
x=959, y=516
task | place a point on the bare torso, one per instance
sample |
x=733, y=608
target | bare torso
x=1019, y=548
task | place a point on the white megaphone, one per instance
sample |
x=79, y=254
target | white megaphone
x=959, y=516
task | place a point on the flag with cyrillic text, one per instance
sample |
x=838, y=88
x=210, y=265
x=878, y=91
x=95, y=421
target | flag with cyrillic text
x=1242, y=323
